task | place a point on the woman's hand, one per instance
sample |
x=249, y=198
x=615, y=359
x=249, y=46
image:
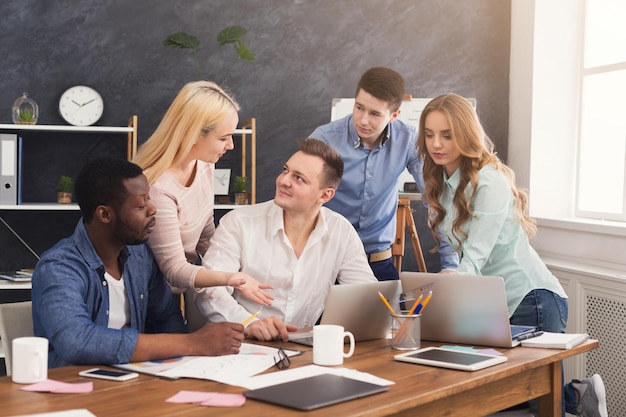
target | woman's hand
x=251, y=288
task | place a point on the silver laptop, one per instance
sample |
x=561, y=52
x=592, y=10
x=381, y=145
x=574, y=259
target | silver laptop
x=359, y=309
x=463, y=309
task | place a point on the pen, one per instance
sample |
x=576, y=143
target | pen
x=422, y=306
x=249, y=319
x=529, y=335
x=382, y=297
x=415, y=304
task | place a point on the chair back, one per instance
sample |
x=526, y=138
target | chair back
x=16, y=320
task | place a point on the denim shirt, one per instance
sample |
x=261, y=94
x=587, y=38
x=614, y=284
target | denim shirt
x=71, y=302
x=367, y=194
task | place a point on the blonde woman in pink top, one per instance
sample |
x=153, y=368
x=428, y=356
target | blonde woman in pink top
x=179, y=161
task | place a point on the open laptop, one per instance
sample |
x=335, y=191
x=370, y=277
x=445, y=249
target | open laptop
x=359, y=309
x=463, y=309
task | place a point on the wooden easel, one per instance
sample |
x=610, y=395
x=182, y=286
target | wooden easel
x=404, y=218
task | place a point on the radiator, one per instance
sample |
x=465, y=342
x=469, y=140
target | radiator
x=597, y=306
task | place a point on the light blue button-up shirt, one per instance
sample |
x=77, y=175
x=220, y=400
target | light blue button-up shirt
x=71, y=302
x=496, y=244
x=368, y=192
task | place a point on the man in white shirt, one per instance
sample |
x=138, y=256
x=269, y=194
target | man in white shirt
x=291, y=243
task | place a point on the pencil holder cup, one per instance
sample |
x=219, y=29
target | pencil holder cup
x=405, y=331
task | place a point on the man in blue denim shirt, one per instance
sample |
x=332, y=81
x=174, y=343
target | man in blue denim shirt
x=99, y=297
x=376, y=148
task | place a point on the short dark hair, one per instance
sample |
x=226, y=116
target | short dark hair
x=101, y=182
x=384, y=84
x=333, y=163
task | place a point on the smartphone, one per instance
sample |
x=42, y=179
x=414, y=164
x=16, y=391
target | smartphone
x=109, y=374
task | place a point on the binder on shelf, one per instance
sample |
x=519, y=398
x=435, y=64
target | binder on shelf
x=8, y=168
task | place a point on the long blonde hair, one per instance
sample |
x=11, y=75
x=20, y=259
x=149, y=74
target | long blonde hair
x=476, y=152
x=197, y=109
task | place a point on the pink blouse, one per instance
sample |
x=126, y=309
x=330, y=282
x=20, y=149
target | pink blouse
x=184, y=225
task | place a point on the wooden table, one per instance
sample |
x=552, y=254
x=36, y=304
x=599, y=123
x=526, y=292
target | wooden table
x=419, y=390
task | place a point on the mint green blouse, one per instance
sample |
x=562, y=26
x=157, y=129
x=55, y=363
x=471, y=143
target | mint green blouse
x=496, y=244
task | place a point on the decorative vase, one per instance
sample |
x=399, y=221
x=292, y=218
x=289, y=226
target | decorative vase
x=64, y=197
x=241, y=198
x=25, y=111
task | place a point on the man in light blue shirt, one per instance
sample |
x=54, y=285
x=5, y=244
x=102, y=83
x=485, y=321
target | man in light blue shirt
x=376, y=148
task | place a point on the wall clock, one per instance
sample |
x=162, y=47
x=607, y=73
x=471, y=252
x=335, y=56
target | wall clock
x=81, y=106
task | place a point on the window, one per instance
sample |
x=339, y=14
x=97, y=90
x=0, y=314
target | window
x=601, y=173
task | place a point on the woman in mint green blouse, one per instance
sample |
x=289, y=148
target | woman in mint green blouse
x=475, y=203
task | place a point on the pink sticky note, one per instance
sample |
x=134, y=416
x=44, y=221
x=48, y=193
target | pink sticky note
x=190, y=397
x=208, y=399
x=225, y=400
x=57, y=387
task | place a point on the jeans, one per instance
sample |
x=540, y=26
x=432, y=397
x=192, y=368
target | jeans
x=547, y=311
x=544, y=309
x=384, y=270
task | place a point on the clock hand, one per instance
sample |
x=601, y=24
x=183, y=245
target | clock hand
x=84, y=104
x=76, y=103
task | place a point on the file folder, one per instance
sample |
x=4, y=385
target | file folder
x=8, y=169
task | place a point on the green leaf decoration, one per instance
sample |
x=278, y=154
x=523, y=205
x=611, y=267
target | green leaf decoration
x=181, y=40
x=221, y=64
x=230, y=34
x=242, y=50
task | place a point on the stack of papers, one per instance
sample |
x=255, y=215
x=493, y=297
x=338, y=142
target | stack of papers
x=556, y=340
x=228, y=369
x=16, y=276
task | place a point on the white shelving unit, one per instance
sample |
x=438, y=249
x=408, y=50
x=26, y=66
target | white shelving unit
x=248, y=160
x=39, y=206
x=131, y=134
x=130, y=130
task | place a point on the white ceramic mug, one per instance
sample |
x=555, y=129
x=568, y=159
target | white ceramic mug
x=328, y=344
x=30, y=360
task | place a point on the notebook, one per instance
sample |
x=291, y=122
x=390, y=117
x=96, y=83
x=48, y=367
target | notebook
x=556, y=340
x=359, y=309
x=464, y=309
x=315, y=392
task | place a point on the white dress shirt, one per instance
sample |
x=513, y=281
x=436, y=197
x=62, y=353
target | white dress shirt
x=252, y=239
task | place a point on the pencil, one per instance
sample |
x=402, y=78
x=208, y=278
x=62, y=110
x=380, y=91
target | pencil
x=415, y=304
x=423, y=306
x=382, y=297
x=249, y=319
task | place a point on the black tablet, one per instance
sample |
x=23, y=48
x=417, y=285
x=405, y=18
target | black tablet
x=315, y=392
x=448, y=358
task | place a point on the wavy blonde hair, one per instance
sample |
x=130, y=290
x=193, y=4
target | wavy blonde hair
x=197, y=109
x=476, y=151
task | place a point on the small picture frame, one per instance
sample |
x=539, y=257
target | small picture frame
x=221, y=181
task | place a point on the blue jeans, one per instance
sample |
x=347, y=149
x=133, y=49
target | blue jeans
x=544, y=309
x=384, y=270
x=547, y=311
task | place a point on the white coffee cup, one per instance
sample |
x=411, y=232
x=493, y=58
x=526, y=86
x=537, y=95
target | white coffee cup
x=30, y=360
x=328, y=344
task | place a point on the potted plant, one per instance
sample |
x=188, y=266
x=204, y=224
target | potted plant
x=25, y=117
x=241, y=190
x=25, y=110
x=64, y=188
x=229, y=35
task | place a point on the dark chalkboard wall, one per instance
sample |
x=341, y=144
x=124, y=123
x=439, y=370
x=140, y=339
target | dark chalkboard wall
x=307, y=53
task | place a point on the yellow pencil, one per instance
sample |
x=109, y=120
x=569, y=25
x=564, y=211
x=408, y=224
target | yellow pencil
x=382, y=297
x=414, y=306
x=423, y=306
x=249, y=319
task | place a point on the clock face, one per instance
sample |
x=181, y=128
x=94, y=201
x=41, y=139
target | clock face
x=81, y=106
